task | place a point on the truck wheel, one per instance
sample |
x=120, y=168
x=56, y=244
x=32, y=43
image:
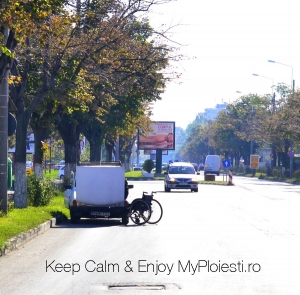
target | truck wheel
x=74, y=219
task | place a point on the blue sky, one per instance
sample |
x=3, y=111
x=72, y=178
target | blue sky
x=227, y=41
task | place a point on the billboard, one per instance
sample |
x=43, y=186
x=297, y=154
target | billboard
x=29, y=145
x=160, y=137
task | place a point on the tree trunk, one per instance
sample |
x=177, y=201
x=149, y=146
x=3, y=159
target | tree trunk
x=109, y=152
x=95, y=139
x=70, y=158
x=285, y=159
x=109, y=146
x=70, y=134
x=95, y=151
x=40, y=135
x=3, y=142
x=274, y=157
x=126, y=145
x=20, y=183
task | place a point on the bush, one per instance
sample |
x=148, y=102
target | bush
x=249, y=170
x=148, y=165
x=297, y=174
x=40, y=191
x=262, y=169
x=276, y=173
x=287, y=173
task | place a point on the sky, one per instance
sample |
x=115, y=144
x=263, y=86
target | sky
x=226, y=42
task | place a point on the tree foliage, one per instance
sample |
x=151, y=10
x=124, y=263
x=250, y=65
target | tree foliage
x=85, y=66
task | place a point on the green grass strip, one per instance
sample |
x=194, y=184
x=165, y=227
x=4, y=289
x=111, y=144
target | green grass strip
x=18, y=221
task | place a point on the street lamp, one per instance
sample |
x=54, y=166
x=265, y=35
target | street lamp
x=251, y=131
x=256, y=75
x=293, y=89
x=292, y=84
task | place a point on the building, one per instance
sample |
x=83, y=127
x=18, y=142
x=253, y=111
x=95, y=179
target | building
x=212, y=113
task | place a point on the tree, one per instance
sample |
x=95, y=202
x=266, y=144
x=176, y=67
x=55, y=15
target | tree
x=18, y=19
x=199, y=120
x=196, y=144
x=285, y=125
x=53, y=55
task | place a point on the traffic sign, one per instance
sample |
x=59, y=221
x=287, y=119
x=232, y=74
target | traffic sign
x=226, y=163
x=254, y=161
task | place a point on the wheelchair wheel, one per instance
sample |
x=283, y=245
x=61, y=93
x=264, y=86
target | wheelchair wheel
x=156, y=212
x=139, y=212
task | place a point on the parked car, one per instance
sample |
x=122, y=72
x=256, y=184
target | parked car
x=200, y=167
x=29, y=168
x=164, y=167
x=138, y=167
x=59, y=165
x=212, y=165
x=181, y=175
x=61, y=173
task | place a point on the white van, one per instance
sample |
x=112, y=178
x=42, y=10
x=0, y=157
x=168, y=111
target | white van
x=212, y=165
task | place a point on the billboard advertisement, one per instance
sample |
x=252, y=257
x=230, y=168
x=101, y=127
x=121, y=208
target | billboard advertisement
x=29, y=145
x=160, y=136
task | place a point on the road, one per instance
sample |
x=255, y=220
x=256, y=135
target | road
x=241, y=239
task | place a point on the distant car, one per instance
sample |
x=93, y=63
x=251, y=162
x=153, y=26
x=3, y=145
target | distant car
x=61, y=173
x=59, y=165
x=212, y=165
x=164, y=167
x=200, y=167
x=138, y=167
x=181, y=175
x=195, y=166
x=29, y=168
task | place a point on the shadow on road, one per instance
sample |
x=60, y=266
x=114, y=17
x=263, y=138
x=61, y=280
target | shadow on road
x=93, y=223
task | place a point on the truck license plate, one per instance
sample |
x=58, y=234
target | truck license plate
x=100, y=214
x=182, y=183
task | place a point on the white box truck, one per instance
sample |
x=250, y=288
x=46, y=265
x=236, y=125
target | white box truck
x=212, y=165
x=98, y=191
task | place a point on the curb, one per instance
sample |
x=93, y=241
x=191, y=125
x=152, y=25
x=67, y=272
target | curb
x=18, y=241
x=143, y=178
x=200, y=183
x=146, y=178
x=212, y=183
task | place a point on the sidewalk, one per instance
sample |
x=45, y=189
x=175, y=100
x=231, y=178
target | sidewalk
x=23, y=238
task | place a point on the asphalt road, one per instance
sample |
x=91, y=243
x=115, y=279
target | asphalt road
x=241, y=239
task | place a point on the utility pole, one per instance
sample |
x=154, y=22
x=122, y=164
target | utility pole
x=291, y=142
x=251, y=131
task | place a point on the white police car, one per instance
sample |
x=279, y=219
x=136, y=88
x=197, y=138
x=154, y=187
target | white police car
x=181, y=175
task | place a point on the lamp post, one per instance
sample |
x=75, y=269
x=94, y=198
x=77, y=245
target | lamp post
x=273, y=94
x=292, y=80
x=293, y=89
x=256, y=75
x=251, y=143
